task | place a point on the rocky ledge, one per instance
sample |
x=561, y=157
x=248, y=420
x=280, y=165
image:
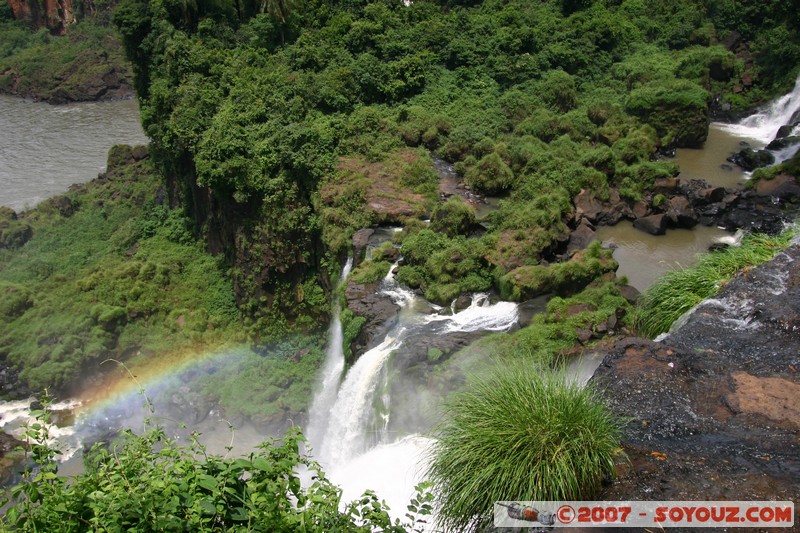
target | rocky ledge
x=713, y=409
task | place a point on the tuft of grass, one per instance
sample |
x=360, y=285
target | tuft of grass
x=680, y=290
x=370, y=271
x=522, y=433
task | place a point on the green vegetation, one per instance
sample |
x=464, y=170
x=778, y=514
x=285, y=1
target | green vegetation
x=150, y=482
x=311, y=122
x=791, y=167
x=85, y=64
x=680, y=290
x=109, y=271
x=370, y=271
x=561, y=278
x=523, y=433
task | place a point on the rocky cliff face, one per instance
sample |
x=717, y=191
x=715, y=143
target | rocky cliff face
x=712, y=408
x=54, y=15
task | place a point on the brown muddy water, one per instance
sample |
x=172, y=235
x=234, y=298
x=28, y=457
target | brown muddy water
x=643, y=258
x=709, y=162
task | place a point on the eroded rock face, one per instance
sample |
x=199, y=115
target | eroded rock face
x=378, y=309
x=54, y=15
x=713, y=408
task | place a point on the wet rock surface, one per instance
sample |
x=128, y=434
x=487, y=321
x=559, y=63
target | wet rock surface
x=686, y=203
x=714, y=409
x=379, y=310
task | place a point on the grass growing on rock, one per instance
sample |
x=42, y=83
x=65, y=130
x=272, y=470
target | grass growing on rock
x=523, y=433
x=680, y=290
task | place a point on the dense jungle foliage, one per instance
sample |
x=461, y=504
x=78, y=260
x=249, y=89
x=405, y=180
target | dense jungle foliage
x=88, y=63
x=283, y=127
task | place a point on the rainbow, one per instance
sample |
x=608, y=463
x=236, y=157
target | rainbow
x=138, y=379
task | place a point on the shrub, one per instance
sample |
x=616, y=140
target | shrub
x=151, y=483
x=453, y=217
x=491, y=175
x=523, y=433
x=370, y=271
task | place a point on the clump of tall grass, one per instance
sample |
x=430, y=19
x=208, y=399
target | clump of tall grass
x=522, y=433
x=680, y=290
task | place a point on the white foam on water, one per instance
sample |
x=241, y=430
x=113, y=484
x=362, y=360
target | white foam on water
x=763, y=125
x=391, y=470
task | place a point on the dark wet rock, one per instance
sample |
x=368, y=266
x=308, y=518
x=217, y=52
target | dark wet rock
x=782, y=186
x=783, y=132
x=681, y=213
x=749, y=159
x=726, y=167
x=379, y=311
x=754, y=213
x=431, y=348
x=461, y=303
x=629, y=293
x=653, y=224
x=583, y=235
x=360, y=241
x=712, y=410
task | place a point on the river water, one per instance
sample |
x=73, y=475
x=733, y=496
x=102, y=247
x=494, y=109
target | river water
x=46, y=148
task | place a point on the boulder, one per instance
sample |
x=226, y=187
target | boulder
x=784, y=141
x=629, y=293
x=581, y=237
x=360, y=241
x=782, y=186
x=749, y=159
x=379, y=311
x=681, y=214
x=666, y=186
x=653, y=224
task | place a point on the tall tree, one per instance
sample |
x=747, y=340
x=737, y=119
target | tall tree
x=279, y=9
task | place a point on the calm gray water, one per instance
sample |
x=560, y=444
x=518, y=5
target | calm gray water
x=45, y=149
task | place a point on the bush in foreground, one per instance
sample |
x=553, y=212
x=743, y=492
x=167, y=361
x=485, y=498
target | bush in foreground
x=150, y=483
x=523, y=433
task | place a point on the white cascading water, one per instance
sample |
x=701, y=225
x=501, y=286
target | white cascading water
x=763, y=126
x=357, y=460
x=15, y=418
x=331, y=372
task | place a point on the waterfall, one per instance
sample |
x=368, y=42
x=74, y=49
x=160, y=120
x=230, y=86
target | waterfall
x=352, y=417
x=763, y=125
x=331, y=372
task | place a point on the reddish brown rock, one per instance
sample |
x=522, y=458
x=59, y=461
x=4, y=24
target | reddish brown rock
x=681, y=213
x=782, y=186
